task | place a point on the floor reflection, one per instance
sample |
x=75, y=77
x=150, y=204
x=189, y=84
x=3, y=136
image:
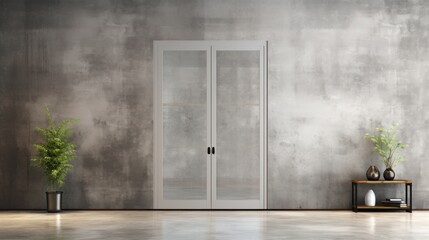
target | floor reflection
x=214, y=225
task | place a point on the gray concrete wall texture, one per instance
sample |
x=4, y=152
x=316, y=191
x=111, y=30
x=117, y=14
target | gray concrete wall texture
x=337, y=69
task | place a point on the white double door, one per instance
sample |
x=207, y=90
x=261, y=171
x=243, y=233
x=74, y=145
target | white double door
x=210, y=125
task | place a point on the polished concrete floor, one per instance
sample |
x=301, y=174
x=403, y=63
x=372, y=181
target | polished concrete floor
x=195, y=225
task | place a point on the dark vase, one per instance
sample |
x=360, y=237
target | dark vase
x=373, y=174
x=389, y=174
x=53, y=201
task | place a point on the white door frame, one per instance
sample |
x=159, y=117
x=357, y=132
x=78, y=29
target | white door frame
x=210, y=47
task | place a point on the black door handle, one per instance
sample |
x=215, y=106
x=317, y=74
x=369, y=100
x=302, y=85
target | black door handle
x=213, y=150
x=208, y=150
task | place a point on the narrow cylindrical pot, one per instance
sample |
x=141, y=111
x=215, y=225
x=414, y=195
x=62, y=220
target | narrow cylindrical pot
x=370, y=198
x=53, y=201
x=373, y=174
x=389, y=174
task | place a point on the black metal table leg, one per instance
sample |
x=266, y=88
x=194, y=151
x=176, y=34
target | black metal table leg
x=354, y=196
x=406, y=194
x=411, y=197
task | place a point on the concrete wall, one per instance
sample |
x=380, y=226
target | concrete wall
x=337, y=69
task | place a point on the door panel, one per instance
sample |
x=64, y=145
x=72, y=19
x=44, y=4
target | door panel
x=185, y=128
x=238, y=123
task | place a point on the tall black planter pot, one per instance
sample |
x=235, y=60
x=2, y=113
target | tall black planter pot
x=54, y=201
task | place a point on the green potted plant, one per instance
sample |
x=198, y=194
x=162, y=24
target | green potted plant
x=53, y=156
x=389, y=147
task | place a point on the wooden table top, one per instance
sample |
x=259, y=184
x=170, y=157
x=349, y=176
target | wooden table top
x=383, y=181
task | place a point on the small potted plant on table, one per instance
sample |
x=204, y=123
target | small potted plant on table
x=53, y=157
x=387, y=145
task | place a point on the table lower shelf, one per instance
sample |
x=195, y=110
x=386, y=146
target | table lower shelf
x=381, y=208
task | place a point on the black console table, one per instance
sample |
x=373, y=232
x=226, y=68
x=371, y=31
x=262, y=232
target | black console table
x=408, y=195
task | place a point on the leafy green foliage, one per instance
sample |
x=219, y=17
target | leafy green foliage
x=56, y=151
x=387, y=145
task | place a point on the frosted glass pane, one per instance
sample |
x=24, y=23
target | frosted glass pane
x=237, y=125
x=184, y=110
